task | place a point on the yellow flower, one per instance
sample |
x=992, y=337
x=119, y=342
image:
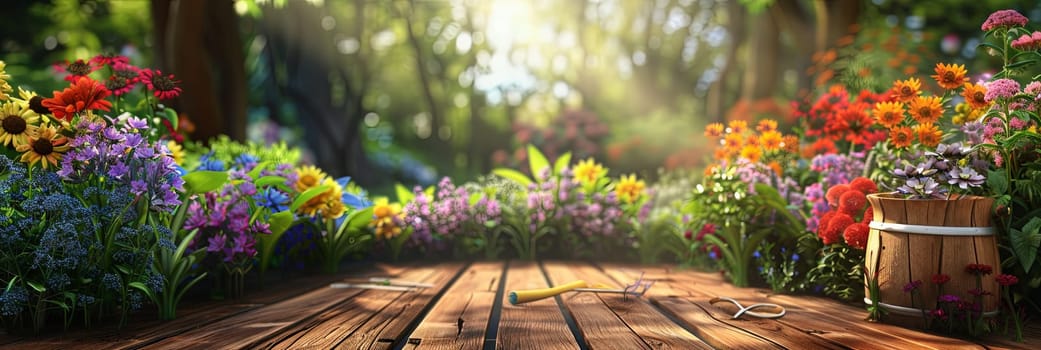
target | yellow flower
x=176, y=151
x=629, y=189
x=907, y=90
x=888, y=114
x=4, y=86
x=950, y=76
x=17, y=123
x=47, y=147
x=737, y=126
x=308, y=176
x=766, y=125
x=926, y=110
x=771, y=140
x=588, y=171
x=328, y=204
x=928, y=134
x=974, y=95
x=752, y=153
x=386, y=218
x=714, y=130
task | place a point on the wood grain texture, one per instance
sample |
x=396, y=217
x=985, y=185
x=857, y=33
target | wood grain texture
x=469, y=301
x=713, y=331
x=534, y=325
x=247, y=329
x=600, y=326
x=655, y=328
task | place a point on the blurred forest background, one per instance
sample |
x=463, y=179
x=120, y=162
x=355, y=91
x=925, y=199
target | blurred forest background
x=411, y=90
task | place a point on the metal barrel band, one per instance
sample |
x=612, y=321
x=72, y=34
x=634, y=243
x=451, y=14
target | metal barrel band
x=910, y=311
x=934, y=230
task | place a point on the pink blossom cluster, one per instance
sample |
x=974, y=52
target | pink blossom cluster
x=1001, y=88
x=1028, y=42
x=1004, y=19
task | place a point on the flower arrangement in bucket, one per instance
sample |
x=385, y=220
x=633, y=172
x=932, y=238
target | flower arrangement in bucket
x=937, y=225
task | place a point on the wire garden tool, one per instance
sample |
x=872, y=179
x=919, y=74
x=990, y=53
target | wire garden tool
x=742, y=310
x=384, y=283
x=638, y=288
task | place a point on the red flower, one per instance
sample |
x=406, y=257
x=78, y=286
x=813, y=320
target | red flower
x=84, y=94
x=869, y=214
x=834, y=194
x=163, y=86
x=836, y=226
x=822, y=224
x=979, y=269
x=864, y=185
x=1006, y=280
x=939, y=279
x=74, y=70
x=856, y=235
x=852, y=202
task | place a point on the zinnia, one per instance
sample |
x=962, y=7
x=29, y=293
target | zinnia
x=163, y=86
x=84, y=94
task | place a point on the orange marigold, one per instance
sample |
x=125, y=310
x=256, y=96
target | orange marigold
x=950, y=76
x=926, y=110
x=737, y=126
x=752, y=153
x=929, y=135
x=766, y=125
x=901, y=136
x=771, y=140
x=732, y=141
x=714, y=130
x=889, y=114
x=906, y=90
x=974, y=95
x=790, y=144
x=776, y=167
x=752, y=140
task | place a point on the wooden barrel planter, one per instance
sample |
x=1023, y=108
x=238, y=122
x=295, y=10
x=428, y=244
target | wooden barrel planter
x=915, y=239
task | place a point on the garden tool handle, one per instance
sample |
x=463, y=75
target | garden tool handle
x=524, y=296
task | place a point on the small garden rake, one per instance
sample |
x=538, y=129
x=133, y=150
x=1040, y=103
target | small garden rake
x=637, y=288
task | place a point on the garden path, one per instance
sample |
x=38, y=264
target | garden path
x=468, y=308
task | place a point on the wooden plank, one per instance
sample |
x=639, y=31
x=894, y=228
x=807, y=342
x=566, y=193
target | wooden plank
x=143, y=328
x=600, y=326
x=718, y=334
x=839, y=323
x=534, y=325
x=655, y=328
x=332, y=326
x=460, y=318
x=388, y=326
x=242, y=330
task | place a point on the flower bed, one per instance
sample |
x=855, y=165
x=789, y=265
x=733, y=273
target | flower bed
x=105, y=206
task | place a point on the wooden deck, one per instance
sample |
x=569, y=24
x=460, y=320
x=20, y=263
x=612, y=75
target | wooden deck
x=467, y=309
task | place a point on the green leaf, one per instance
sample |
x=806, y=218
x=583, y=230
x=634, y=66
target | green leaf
x=1025, y=243
x=279, y=222
x=404, y=194
x=1020, y=64
x=269, y=181
x=562, y=161
x=144, y=289
x=36, y=286
x=357, y=220
x=255, y=173
x=203, y=181
x=513, y=175
x=997, y=182
x=308, y=195
x=171, y=116
x=536, y=161
x=992, y=47
x=474, y=197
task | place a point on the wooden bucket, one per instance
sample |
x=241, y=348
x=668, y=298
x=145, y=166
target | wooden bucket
x=914, y=239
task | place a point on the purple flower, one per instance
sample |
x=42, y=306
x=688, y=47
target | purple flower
x=1001, y=88
x=912, y=286
x=118, y=170
x=136, y=123
x=216, y=243
x=921, y=187
x=138, y=187
x=948, y=298
x=965, y=177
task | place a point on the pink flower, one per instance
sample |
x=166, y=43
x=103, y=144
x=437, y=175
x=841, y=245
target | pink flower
x=1006, y=280
x=1029, y=42
x=1004, y=19
x=1034, y=88
x=163, y=86
x=1001, y=88
x=1018, y=124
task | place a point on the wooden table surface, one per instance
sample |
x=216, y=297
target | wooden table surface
x=468, y=309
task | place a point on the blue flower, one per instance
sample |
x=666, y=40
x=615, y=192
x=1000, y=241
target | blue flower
x=272, y=198
x=208, y=163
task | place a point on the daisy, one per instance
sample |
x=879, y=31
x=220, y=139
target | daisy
x=901, y=136
x=975, y=95
x=588, y=171
x=950, y=76
x=46, y=148
x=629, y=189
x=926, y=110
x=906, y=90
x=889, y=114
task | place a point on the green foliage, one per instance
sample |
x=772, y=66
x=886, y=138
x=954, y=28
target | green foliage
x=1026, y=243
x=339, y=241
x=174, y=266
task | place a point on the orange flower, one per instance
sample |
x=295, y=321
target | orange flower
x=901, y=136
x=790, y=144
x=752, y=140
x=771, y=140
x=732, y=141
x=766, y=125
x=776, y=167
x=720, y=154
x=737, y=126
x=714, y=130
x=84, y=94
x=928, y=134
x=751, y=153
x=950, y=76
x=973, y=94
x=888, y=114
x=926, y=110
x=906, y=90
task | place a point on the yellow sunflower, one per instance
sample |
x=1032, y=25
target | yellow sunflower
x=386, y=217
x=4, y=77
x=771, y=140
x=588, y=171
x=974, y=95
x=889, y=114
x=17, y=123
x=766, y=125
x=907, y=90
x=737, y=126
x=629, y=189
x=752, y=153
x=46, y=147
x=714, y=130
x=928, y=134
x=328, y=204
x=950, y=76
x=308, y=176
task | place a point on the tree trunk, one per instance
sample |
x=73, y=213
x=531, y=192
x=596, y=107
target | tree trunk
x=717, y=93
x=764, y=48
